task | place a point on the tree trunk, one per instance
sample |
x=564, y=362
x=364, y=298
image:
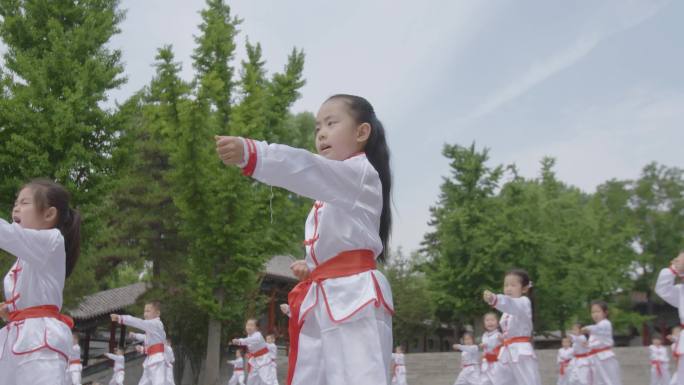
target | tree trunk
x=212, y=361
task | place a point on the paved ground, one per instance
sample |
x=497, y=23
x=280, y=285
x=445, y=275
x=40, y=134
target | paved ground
x=442, y=368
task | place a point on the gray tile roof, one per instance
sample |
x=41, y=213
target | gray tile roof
x=108, y=301
x=279, y=266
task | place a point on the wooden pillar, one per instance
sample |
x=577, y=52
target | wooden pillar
x=112, y=336
x=271, y=311
x=122, y=337
x=86, y=347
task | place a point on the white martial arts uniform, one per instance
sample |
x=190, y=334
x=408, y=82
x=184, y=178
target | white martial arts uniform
x=238, y=377
x=75, y=367
x=259, y=368
x=564, y=360
x=674, y=295
x=154, y=366
x=342, y=324
x=470, y=365
x=675, y=355
x=517, y=354
x=660, y=365
x=399, y=375
x=170, y=359
x=605, y=369
x=273, y=352
x=581, y=363
x=119, y=368
x=492, y=372
x=34, y=350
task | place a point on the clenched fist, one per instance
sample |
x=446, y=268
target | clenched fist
x=230, y=149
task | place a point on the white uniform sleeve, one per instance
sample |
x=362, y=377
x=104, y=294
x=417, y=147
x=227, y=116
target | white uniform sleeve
x=559, y=358
x=149, y=326
x=111, y=356
x=168, y=352
x=138, y=337
x=519, y=307
x=253, y=339
x=310, y=175
x=28, y=244
x=468, y=348
x=603, y=328
x=666, y=288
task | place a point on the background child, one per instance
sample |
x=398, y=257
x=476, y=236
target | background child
x=75, y=366
x=119, y=366
x=154, y=366
x=660, y=362
x=170, y=359
x=563, y=359
x=492, y=373
x=238, y=377
x=674, y=295
x=581, y=364
x=674, y=341
x=259, y=369
x=516, y=323
x=470, y=361
x=398, y=367
x=604, y=365
x=273, y=352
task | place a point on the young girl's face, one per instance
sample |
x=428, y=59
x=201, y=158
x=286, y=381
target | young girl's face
x=597, y=313
x=576, y=330
x=490, y=322
x=338, y=136
x=270, y=339
x=468, y=340
x=28, y=215
x=513, y=286
x=398, y=349
x=566, y=343
x=657, y=342
x=250, y=327
x=150, y=312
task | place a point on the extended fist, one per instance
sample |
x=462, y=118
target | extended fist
x=230, y=149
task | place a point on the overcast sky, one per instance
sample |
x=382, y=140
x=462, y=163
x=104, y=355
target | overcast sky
x=596, y=84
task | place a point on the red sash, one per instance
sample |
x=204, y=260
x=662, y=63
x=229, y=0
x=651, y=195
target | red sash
x=563, y=366
x=44, y=311
x=342, y=265
x=516, y=340
x=75, y=362
x=583, y=355
x=658, y=365
x=258, y=353
x=494, y=355
x=154, y=349
x=600, y=350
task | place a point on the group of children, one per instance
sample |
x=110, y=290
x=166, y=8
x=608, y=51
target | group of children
x=261, y=358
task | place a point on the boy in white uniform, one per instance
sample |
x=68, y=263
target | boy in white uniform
x=154, y=366
x=119, y=366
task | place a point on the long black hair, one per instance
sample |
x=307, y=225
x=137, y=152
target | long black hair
x=46, y=194
x=378, y=155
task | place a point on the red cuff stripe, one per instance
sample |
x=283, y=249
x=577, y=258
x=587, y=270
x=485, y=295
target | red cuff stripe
x=252, y=161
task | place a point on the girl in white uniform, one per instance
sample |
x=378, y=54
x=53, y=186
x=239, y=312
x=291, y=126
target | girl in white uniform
x=564, y=360
x=399, y=367
x=341, y=313
x=45, y=239
x=238, y=377
x=660, y=362
x=674, y=295
x=516, y=323
x=605, y=369
x=119, y=367
x=581, y=364
x=273, y=352
x=259, y=368
x=470, y=361
x=154, y=366
x=75, y=366
x=492, y=372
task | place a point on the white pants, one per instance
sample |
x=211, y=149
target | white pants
x=663, y=378
x=564, y=379
x=399, y=376
x=261, y=372
x=470, y=375
x=580, y=375
x=238, y=378
x=356, y=351
x=75, y=377
x=606, y=371
x=154, y=374
x=169, y=375
x=675, y=378
x=41, y=367
x=524, y=372
x=493, y=373
x=117, y=378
